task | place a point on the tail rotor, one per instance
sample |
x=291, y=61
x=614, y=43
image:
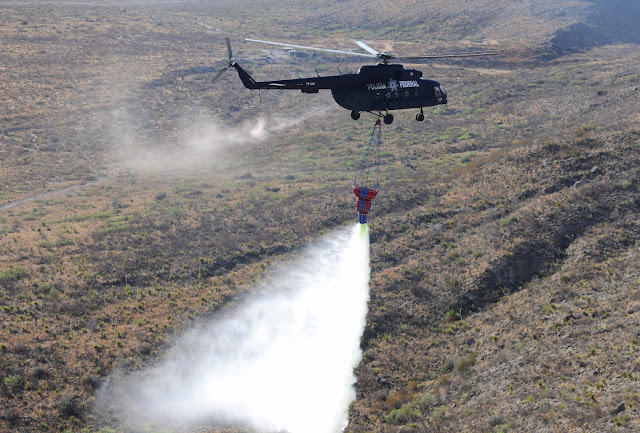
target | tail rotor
x=229, y=65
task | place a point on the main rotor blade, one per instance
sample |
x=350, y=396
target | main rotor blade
x=366, y=47
x=312, y=48
x=229, y=48
x=450, y=56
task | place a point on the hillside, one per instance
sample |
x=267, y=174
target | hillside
x=504, y=240
x=511, y=298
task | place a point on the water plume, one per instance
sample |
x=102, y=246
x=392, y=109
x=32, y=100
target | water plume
x=282, y=362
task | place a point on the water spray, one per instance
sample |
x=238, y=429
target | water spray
x=281, y=363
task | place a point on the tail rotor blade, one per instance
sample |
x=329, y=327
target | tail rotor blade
x=219, y=74
x=221, y=71
x=229, y=48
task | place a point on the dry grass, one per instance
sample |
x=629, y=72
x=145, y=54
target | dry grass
x=482, y=246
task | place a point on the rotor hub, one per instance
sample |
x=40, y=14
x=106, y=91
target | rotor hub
x=385, y=57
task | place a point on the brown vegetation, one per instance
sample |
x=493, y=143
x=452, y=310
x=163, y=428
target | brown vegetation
x=507, y=315
x=504, y=241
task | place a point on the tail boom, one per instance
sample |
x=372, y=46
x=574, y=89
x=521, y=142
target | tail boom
x=248, y=82
x=306, y=85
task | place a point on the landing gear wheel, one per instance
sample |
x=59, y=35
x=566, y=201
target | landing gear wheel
x=355, y=115
x=388, y=119
x=420, y=117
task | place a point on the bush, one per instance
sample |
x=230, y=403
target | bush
x=423, y=402
x=465, y=362
x=495, y=420
x=402, y=415
x=447, y=366
x=39, y=373
x=11, y=414
x=13, y=383
x=452, y=316
x=440, y=413
x=13, y=274
x=68, y=407
x=410, y=411
x=91, y=381
x=505, y=222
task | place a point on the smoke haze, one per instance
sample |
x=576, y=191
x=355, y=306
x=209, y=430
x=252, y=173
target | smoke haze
x=202, y=141
x=282, y=362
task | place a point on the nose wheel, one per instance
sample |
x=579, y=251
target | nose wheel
x=388, y=119
x=420, y=116
x=355, y=115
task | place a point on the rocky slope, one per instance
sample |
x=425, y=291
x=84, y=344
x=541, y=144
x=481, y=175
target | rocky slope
x=504, y=242
x=512, y=299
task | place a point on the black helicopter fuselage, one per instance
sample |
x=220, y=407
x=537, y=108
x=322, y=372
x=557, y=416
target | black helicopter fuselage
x=381, y=87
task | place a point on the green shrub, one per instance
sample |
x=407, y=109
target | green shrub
x=13, y=275
x=13, y=382
x=452, y=316
x=447, y=366
x=411, y=411
x=440, y=413
x=587, y=126
x=423, y=402
x=404, y=414
x=495, y=420
x=505, y=222
x=465, y=362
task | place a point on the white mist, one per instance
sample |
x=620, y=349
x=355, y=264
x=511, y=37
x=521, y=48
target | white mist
x=283, y=362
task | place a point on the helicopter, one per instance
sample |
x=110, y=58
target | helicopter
x=373, y=89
